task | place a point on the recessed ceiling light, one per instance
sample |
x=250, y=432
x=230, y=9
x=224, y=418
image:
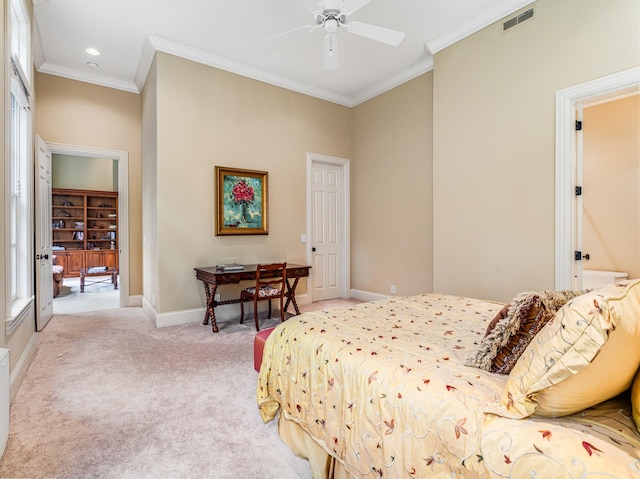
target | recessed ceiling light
x=92, y=65
x=92, y=51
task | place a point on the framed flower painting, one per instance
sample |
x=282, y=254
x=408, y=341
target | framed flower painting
x=241, y=202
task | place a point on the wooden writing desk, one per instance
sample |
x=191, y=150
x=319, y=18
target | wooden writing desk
x=212, y=278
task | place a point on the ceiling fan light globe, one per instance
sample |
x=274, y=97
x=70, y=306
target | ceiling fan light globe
x=331, y=25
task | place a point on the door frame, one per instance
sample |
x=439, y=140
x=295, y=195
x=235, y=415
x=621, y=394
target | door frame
x=345, y=233
x=122, y=157
x=567, y=163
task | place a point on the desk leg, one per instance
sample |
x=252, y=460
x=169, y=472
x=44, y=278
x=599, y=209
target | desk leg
x=209, y=313
x=291, y=295
x=81, y=283
x=114, y=280
x=207, y=295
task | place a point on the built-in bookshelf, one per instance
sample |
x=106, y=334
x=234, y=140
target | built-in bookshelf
x=84, y=229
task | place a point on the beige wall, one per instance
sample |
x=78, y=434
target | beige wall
x=77, y=113
x=391, y=218
x=494, y=140
x=207, y=117
x=80, y=172
x=611, y=181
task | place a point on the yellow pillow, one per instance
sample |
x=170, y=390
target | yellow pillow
x=635, y=400
x=585, y=355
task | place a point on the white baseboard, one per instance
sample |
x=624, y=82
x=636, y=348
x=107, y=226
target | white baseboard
x=21, y=367
x=177, y=318
x=226, y=312
x=148, y=309
x=134, y=301
x=366, y=295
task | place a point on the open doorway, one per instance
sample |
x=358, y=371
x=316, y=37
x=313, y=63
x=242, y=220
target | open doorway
x=610, y=189
x=569, y=107
x=81, y=169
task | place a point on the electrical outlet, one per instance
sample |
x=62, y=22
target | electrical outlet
x=216, y=297
x=393, y=289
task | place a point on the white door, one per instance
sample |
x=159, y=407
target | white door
x=44, y=278
x=327, y=233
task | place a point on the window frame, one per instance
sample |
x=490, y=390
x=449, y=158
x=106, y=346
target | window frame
x=19, y=171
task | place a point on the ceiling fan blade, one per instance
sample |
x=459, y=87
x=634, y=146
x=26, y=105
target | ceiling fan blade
x=310, y=5
x=283, y=35
x=352, y=6
x=330, y=51
x=381, y=34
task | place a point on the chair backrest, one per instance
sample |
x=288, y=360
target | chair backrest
x=274, y=275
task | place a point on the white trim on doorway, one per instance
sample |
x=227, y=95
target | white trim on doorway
x=345, y=272
x=122, y=157
x=567, y=101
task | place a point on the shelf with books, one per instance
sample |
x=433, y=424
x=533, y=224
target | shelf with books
x=85, y=221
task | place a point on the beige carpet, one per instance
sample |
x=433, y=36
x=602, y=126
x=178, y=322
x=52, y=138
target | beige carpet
x=108, y=395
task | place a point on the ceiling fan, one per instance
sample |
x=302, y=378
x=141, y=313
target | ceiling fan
x=333, y=14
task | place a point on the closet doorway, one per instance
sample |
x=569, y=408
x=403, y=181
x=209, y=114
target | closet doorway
x=610, y=169
x=93, y=169
x=569, y=109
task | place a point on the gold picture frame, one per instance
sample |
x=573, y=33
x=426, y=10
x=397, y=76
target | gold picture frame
x=242, y=205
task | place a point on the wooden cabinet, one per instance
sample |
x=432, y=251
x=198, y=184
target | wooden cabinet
x=107, y=258
x=84, y=228
x=71, y=261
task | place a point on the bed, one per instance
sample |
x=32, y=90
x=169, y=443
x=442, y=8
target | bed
x=392, y=388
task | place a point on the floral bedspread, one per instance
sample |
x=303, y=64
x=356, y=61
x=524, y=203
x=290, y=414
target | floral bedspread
x=382, y=387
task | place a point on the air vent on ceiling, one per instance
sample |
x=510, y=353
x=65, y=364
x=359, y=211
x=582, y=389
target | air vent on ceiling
x=517, y=20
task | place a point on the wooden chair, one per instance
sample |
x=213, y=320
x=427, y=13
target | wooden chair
x=271, y=281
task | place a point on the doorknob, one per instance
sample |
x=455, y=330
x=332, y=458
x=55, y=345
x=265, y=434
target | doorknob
x=46, y=256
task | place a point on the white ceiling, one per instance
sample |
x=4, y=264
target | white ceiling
x=226, y=34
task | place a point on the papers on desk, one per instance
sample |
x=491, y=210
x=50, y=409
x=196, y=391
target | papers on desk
x=97, y=269
x=230, y=267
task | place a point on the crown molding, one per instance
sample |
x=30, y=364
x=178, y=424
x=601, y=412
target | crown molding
x=165, y=45
x=410, y=73
x=155, y=43
x=475, y=24
x=88, y=77
x=144, y=65
x=38, y=54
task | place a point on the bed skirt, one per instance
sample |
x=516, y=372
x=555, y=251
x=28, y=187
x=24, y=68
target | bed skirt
x=323, y=465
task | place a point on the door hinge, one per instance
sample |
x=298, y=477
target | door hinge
x=578, y=190
x=578, y=125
